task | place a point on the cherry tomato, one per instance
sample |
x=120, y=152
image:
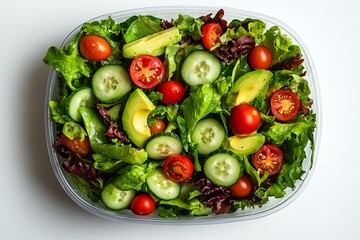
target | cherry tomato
x=76, y=145
x=158, y=127
x=178, y=168
x=284, y=104
x=143, y=204
x=94, y=48
x=146, y=71
x=260, y=57
x=269, y=158
x=243, y=187
x=244, y=119
x=211, y=34
x=172, y=91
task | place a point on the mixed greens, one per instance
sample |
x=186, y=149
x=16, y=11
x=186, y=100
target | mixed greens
x=115, y=165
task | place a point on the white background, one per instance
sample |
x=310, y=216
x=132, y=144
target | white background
x=34, y=206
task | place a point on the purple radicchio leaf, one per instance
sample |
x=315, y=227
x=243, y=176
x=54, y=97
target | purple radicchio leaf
x=215, y=197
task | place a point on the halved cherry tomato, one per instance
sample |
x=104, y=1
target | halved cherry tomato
x=243, y=187
x=269, y=158
x=211, y=34
x=178, y=168
x=76, y=145
x=94, y=48
x=158, y=127
x=143, y=204
x=260, y=57
x=147, y=71
x=172, y=92
x=244, y=119
x=284, y=104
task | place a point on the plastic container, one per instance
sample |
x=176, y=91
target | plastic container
x=126, y=215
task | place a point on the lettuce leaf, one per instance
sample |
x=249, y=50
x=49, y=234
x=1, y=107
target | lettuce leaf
x=68, y=62
x=133, y=176
x=190, y=26
x=280, y=45
x=122, y=152
x=141, y=27
x=249, y=27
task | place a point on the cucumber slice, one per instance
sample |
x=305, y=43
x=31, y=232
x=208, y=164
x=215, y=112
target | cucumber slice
x=209, y=134
x=223, y=168
x=115, y=198
x=82, y=97
x=162, y=187
x=199, y=67
x=162, y=145
x=110, y=83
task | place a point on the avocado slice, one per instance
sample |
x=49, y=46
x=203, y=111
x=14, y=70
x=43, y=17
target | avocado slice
x=134, y=118
x=153, y=44
x=248, y=86
x=245, y=145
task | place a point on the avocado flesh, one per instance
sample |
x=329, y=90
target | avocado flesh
x=153, y=44
x=135, y=115
x=245, y=145
x=247, y=87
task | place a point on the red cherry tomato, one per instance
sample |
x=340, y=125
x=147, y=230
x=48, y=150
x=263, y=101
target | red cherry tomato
x=178, y=168
x=244, y=119
x=260, y=57
x=269, y=158
x=94, y=48
x=143, y=204
x=243, y=187
x=211, y=34
x=158, y=127
x=76, y=145
x=284, y=104
x=172, y=92
x=146, y=71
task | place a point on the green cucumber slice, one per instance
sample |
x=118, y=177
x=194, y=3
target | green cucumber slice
x=162, y=187
x=209, y=134
x=162, y=145
x=82, y=97
x=199, y=67
x=223, y=168
x=110, y=83
x=115, y=198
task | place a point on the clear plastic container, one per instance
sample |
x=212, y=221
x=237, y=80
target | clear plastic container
x=272, y=206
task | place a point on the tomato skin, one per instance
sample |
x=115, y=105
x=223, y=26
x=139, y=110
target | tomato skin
x=269, y=158
x=260, y=57
x=76, y=145
x=94, y=48
x=147, y=71
x=284, y=104
x=172, y=91
x=211, y=34
x=143, y=204
x=244, y=119
x=158, y=127
x=178, y=168
x=243, y=187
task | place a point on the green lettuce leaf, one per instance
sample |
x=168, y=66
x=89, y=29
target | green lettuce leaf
x=105, y=163
x=280, y=45
x=122, y=152
x=141, y=27
x=190, y=26
x=249, y=27
x=68, y=62
x=57, y=114
x=133, y=176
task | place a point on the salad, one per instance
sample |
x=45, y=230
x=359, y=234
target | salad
x=182, y=117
